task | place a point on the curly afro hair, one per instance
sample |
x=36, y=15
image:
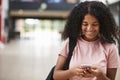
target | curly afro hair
x=108, y=29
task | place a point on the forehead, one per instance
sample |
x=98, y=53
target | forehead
x=89, y=18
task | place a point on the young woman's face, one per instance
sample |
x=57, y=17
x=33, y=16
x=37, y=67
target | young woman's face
x=90, y=28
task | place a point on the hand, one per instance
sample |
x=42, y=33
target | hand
x=87, y=71
x=96, y=71
x=77, y=71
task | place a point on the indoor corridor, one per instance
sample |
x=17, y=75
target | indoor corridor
x=31, y=57
x=31, y=33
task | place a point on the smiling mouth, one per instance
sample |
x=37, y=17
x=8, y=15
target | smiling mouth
x=90, y=33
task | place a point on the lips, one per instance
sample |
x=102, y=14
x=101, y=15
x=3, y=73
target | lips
x=90, y=33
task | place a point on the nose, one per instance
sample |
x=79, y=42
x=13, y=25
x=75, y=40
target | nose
x=89, y=28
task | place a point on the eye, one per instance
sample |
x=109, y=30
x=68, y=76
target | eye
x=84, y=24
x=95, y=24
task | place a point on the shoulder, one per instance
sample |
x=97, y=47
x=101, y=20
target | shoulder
x=110, y=46
x=65, y=42
x=111, y=50
x=64, y=48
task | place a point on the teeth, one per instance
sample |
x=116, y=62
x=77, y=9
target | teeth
x=90, y=32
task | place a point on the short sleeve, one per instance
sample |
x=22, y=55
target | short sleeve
x=64, y=48
x=113, y=57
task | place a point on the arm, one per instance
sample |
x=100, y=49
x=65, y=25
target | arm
x=112, y=61
x=60, y=74
x=111, y=73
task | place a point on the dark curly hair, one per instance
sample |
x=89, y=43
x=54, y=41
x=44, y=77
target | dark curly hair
x=108, y=29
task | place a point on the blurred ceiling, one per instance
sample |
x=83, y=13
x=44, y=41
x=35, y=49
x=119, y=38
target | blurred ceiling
x=112, y=1
x=50, y=13
x=109, y=1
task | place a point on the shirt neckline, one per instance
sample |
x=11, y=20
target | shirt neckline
x=89, y=42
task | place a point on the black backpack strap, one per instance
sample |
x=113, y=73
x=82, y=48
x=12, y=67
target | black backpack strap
x=72, y=44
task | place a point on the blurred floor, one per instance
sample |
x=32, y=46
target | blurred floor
x=31, y=57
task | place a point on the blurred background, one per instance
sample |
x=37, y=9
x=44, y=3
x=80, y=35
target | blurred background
x=30, y=35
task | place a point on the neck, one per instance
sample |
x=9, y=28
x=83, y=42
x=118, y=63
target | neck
x=94, y=39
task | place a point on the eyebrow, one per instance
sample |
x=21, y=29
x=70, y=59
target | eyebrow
x=87, y=22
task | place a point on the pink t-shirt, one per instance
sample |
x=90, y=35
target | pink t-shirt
x=92, y=53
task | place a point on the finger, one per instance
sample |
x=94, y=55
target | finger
x=80, y=74
x=93, y=67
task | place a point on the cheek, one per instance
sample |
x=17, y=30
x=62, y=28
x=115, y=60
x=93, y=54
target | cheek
x=97, y=29
x=83, y=30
